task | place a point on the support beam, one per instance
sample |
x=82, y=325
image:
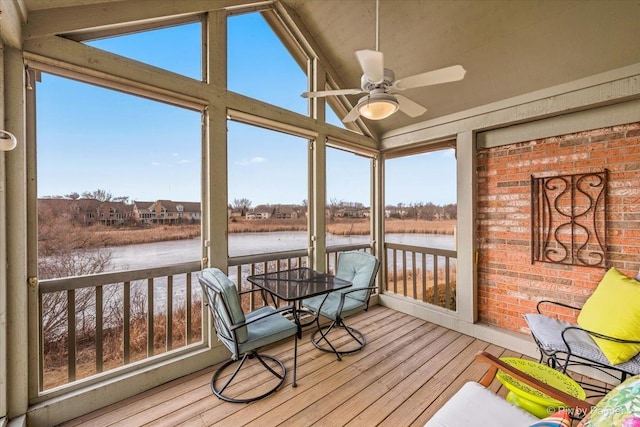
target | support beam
x=16, y=198
x=318, y=196
x=3, y=265
x=85, y=63
x=466, y=286
x=317, y=221
x=377, y=215
x=215, y=164
x=91, y=17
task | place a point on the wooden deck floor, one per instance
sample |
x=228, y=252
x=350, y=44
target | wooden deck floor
x=407, y=370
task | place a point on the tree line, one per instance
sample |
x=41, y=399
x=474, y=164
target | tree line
x=416, y=210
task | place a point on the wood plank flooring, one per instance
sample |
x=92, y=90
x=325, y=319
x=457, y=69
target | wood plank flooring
x=407, y=370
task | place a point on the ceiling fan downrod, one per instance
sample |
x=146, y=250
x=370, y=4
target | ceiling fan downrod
x=378, y=25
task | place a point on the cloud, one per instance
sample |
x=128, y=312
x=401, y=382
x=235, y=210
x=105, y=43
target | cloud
x=183, y=161
x=253, y=160
x=156, y=163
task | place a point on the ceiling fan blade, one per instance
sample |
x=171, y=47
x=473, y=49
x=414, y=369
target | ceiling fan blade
x=320, y=93
x=443, y=75
x=352, y=116
x=372, y=64
x=409, y=107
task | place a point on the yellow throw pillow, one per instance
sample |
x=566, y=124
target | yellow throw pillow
x=614, y=310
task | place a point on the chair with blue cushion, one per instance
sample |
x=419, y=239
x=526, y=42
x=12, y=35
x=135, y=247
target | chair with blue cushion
x=360, y=268
x=243, y=335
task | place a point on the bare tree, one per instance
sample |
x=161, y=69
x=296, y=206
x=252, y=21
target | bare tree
x=123, y=199
x=242, y=203
x=451, y=211
x=102, y=195
x=334, y=205
x=66, y=251
x=72, y=196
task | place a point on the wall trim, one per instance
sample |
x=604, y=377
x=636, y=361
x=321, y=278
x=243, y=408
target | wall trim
x=612, y=87
x=595, y=118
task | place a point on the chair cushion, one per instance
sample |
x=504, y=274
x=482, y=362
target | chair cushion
x=620, y=407
x=330, y=307
x=229, y=293
x=475, y=406
x=614, y=310
x=548, y=333
x=266, y=331
x=359, y=268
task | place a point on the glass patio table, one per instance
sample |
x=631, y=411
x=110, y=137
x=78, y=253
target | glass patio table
x=293, y=286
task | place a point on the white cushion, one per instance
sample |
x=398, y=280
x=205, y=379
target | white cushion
x=475, y=406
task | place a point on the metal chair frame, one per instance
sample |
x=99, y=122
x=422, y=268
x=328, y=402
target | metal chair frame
x=228, y=334
x=338, y=322
x=562, y=360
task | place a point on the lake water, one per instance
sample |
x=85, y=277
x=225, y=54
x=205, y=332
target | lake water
x=158, y=254
x=174, y=252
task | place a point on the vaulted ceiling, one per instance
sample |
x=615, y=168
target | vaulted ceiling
x=508, y=47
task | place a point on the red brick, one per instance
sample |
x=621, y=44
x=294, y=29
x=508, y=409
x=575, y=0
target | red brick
x=509, y=285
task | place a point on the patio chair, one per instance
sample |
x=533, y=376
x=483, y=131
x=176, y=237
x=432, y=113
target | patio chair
x=609, y=344
x=243, y=336
x=360, y=268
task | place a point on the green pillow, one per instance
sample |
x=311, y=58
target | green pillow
x=614, y=310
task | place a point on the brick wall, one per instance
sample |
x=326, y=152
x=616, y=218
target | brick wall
x=509, y=284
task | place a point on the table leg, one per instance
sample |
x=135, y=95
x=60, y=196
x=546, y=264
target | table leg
x=295, y=345
x=295, y=361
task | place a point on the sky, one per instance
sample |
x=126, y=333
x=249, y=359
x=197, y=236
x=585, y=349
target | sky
x=93, y=138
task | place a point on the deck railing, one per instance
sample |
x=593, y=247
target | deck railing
x=243, y=266
x=424, y=274
x=94, y=323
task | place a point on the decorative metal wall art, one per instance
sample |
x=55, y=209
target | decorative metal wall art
x=569, y=219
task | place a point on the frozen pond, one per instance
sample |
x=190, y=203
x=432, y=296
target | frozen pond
x=174, y=252
x=149, y=255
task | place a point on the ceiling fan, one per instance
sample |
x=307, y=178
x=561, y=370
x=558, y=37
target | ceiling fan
x=381, y=87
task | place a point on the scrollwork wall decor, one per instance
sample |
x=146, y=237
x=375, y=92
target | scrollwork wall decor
x=569, y=219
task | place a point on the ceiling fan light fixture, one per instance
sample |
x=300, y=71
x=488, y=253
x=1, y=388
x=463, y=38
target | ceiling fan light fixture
x=377, y=106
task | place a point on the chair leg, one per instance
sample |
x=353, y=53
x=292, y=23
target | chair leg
x=324, y=332
x=220, y=391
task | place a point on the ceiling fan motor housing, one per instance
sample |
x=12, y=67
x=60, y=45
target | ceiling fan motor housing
x=389, y=78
